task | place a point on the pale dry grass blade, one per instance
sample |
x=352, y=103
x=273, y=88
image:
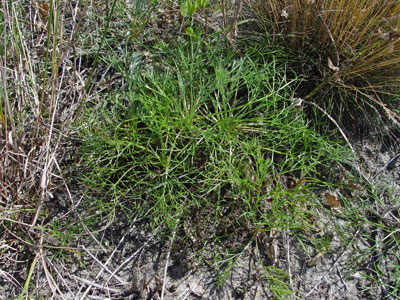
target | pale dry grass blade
x=96, y=285
x=59, y=275
x=352, y=47
x=164, y=281
x=104, y=266
x=41, y=87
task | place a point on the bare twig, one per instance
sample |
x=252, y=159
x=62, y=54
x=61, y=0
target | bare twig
x=10, y=278
x=356, y=167
x=99, y=286
x=105, y=267
x=288, y=259
x=330, y=36
x=60, y=277
x=53, y=286
x=166, y=263
x=128, y=260
x=341, y=279
x=333, y=264
x=334, y=122
x=390, y=161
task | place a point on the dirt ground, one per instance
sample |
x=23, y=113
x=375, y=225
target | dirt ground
x=130, y=262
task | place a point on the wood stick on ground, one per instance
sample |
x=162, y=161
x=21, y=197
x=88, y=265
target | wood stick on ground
x=166, y=264
x=333, y=265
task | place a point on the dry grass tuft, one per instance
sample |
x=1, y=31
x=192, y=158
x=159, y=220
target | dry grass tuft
x=353, y=45
x=41, y=86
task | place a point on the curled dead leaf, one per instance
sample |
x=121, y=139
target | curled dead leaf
x=332, y=202
x=270, y=245
x=332, y=66
x=44, y=9
x=314, y=260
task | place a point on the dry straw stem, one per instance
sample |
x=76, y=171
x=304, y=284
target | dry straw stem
x=36, y=92
x=41, y=86
x=357, y=41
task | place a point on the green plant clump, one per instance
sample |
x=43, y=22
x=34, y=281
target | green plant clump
x=208, y=139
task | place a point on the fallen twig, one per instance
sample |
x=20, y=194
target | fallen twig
x=99, y=286
x=166, y=264
x=392, y=160
x=333, y=265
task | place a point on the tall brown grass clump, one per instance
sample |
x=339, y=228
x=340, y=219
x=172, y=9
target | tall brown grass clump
x=348, y=45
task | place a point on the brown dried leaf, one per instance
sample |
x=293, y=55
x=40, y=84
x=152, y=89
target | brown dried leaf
x=273, y=251
x=314, y=260
x=43, y=9
x=270, y=245
x=332, y=202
